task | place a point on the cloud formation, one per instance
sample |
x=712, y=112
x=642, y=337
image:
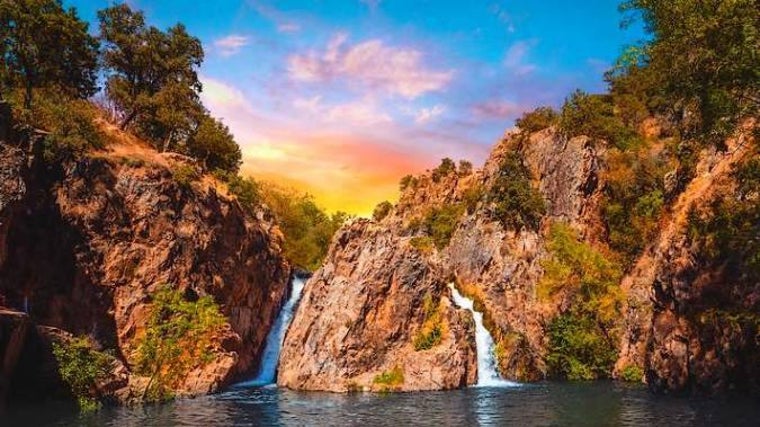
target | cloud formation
x=369, y=65
x=515, y=58
x=231, y=45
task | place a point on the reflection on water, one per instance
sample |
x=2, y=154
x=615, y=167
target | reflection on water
x=548, y=404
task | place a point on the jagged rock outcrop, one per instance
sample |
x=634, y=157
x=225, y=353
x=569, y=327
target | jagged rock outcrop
x=359, y=316
x=83, y=244
x=675, y=324
x=498, y=267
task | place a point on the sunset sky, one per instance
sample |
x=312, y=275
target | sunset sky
x=343, y=97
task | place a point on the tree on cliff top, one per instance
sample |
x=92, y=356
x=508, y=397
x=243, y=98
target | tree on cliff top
x=151, y=75
x=42, y=45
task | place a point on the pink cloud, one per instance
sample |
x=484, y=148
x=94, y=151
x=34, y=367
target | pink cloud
x=370, y=64
x=496, y=109
x=515, y=58
x=231, y=45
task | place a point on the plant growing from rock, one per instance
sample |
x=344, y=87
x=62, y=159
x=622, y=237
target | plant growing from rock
x=179, y=336
x=513, y=199
x=81, y=367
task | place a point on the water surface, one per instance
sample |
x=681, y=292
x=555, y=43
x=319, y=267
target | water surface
x=546, y=404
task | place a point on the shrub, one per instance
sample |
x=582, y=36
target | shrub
x=583, y=340
x=245, y=189
x=390, y=380
x=440, y=223
x=471, y=197
x=431, y=331
x=408, y=182
x=81, y=367
x=536, y=120
x=594, y=116
x=632, y=374
x=634, y=199
x=465, y=168
x=514, y=200
x=184, y=175
x=423, y=244
x=382, y=210
x=179, y=336
x=446, y=167
x=69, y=122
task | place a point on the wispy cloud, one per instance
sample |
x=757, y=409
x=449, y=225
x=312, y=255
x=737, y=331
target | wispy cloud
x=371, y=65
x=515, y=59
x=425, y=115
x=495, y=109
x=231, y=45
x=288, y=27
x=371, y=4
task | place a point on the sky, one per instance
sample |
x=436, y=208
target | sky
x=342, y=98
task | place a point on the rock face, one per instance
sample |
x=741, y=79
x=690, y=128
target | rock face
x=85, y=243
x=681, y=322
x=362, y=308
x=358, y=320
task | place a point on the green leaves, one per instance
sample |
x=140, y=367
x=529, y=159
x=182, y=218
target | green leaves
x=179, y=336
x=513, y=199
x=81, y=367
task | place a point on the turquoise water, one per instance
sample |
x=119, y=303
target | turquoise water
x=545, y=404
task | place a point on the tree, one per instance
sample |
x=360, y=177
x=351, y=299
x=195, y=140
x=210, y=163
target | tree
x=44, y=45
x=706, y=53
x=152, y=75
x=214, y=145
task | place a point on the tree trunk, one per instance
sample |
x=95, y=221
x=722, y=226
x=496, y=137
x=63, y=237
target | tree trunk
x=126, y=122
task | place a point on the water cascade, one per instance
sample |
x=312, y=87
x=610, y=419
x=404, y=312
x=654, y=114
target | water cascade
x=488, y=376
x=268, y=368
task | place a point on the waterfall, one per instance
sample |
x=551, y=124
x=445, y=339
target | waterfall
x=488, y=376
x=268, y=368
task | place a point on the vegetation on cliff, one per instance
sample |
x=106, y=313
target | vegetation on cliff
x=81, y=367
x=179, y=337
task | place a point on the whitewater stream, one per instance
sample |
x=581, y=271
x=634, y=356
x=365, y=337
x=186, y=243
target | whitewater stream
x=267, y=374
x=488, y=376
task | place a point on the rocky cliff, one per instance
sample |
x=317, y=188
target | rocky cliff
x=362, y=308
x=84, y=244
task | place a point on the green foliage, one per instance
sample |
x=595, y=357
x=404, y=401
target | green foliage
x=465, y=168
x=179, y=336
x=81, y=367
x=184, y=175
x=307, y=228
x=431, y=331
x=440, y=223
x=703, y=54
x=594, y=116
x=726, y=233
x=44, y=45
x=214, y=145
x=472, y=196
x=632, y=374
x=423, y=244
x=390, y=380
x=408, y=182
x=583, y=340
x=514, y=200
x=70, y=123
x=152, y=75
x=633, y=198
x=446, y=167
x=382, y=210
x=246, y=189
x=536, y=120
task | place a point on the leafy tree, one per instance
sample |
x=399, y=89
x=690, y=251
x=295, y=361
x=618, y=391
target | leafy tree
x=307, y=228
x=151, y=75
x=594, y=116
x=382, y=210
x=582, y=340
x=465, y=168
x=214, y=145
x=538, y=119
x=440, y=223
x=179, y=336
x=407, y=181
x=513, y=199
x=705, y=54
x=81, y=367
x=42, y=46
x=446, y=167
